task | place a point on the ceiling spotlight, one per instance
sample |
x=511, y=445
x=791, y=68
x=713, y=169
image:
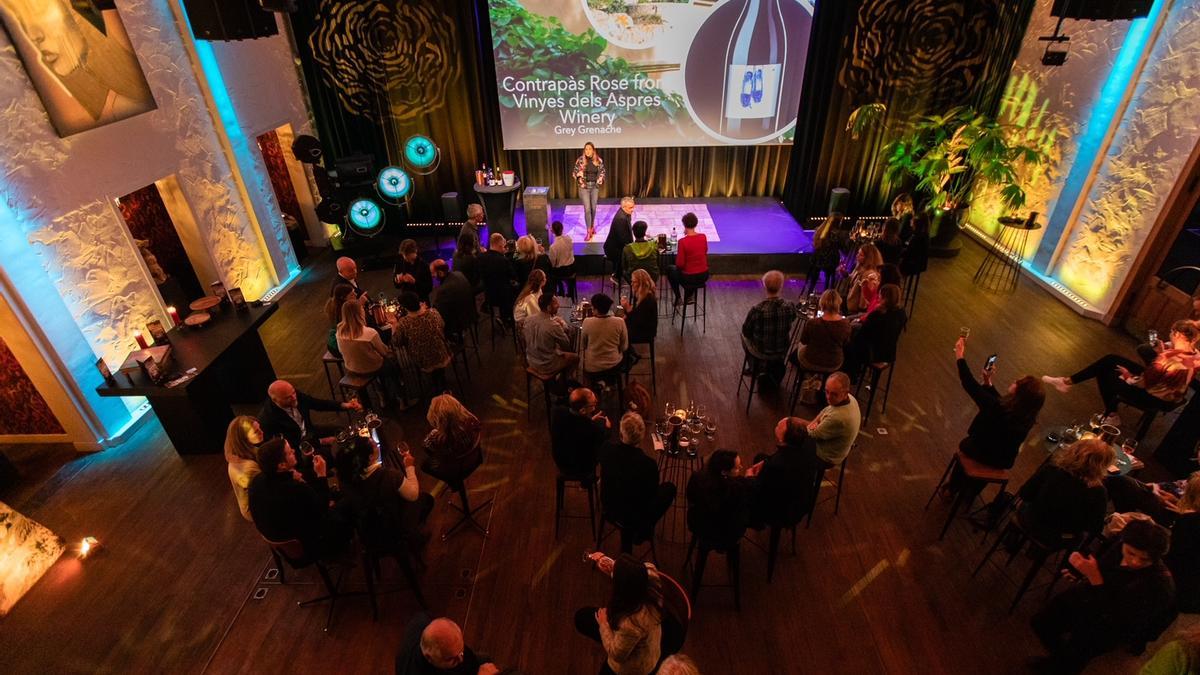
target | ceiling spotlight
x=1056, y=47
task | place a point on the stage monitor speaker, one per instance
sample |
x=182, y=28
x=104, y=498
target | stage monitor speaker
x=1101, y=10
x=839, y=200
x=537, y=213
x=278, y=5
x=453, y=210
x=307, y=149
x=355, y=170
x=229, y=19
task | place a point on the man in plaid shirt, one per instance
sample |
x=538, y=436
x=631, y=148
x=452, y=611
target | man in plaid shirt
x=766, y=332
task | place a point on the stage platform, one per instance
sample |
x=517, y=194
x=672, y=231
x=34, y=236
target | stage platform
x=746, y=234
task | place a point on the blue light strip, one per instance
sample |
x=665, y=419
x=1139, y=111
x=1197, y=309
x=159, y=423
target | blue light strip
x=1100, y=122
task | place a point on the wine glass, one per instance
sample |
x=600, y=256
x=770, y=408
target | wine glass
x=669, y=409
x=1096, y=421
x=710, y=428
x=307, y=450
x=1129, y=446
x=685, y=444
x=702, y=411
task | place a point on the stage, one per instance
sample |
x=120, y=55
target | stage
x=746, y=234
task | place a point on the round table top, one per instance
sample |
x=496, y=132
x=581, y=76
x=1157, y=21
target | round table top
x=1019, y=223
x=498, y=189
x=197, y=318
x=205, y=303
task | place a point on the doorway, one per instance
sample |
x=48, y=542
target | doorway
x=157, y=238
x=271, y=147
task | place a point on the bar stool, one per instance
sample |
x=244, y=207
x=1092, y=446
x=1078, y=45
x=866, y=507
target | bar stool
x=587, y=484
x=353, y=384
x=754, y=366
x=699, y=306
x=800, y=373
x=328, y=361
x=733, y=559
x=973, y=470
x=1018, y=537
x=876, y=372
x=838, y=484
x=1148, y=414
x=653, y=368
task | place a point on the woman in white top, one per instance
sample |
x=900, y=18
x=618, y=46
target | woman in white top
x=604, y=338
x=527, y=300
x=362, y=350
x=241, y=440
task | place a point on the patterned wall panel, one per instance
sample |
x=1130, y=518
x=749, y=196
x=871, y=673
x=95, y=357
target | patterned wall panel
x=148, y=220
x=1159, y=131
x=22, y=408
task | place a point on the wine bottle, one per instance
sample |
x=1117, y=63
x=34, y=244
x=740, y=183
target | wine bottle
x=757, y=55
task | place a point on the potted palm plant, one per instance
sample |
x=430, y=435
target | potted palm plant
x=946, y=158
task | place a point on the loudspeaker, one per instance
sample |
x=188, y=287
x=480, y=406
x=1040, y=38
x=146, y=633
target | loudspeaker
x=537, y=213
x=355, y=169
x=839, y=200
x=307, y=149
x=278, y=5
x=1101, y=10
x=229, y=19
x=453, y=210
x=332, y=209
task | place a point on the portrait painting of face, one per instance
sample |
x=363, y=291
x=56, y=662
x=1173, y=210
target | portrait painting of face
x=79, y=59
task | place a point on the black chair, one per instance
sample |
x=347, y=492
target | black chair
x=677, y=615
x=911, y=283
x=629, y=538
x=292, y=552
x=799, y=374
x=653, y=367
x=587, y=483
x=876, y=370
x=1148, y=414
x=330, y=361
x=404, y=557
x=696, y=295
x=965, y=498
x=733, y=559
x=754, y=366
x=566, y=284
x=457, y=483
x=363, y=386
x=1016, y=537
x=838, y=485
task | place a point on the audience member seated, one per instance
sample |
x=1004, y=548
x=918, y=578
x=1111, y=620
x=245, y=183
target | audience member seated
x=620, y=233
x=387, y=503
x=529, y=256
x=1180, y=656
x=640, y=254
x=363, y=351
x=828, y=242
x=286, y=506
x=1148, y=352
x=242, y=439
x=630, y=493
x=767, y=328
x=561, y=253
x=466, y=259
x=691, y=258
x=835, y=428
x=867, y=260
x=678, y=664
x=915, y=258
x=333, y=312
x=577, y=431
x=527, y=300
x=784, y=482
x=454, y=298
x=878, y=334
x=630, y=626
x=890, y=245
x=288, y=414
x=452, y=445
x=641, y=312
x=1158, y=386
x=1124, y=595
x=1066, y=496
x=411, y=273
x=474, y=225
x=421, y=333
x=499, y=279
x=604, y=340
x=436, y=647
x=1184, y=557
x=719, y=501
x=1161, y=501
x=547, y=346
x=999, y=428
x=864, y=295
x=347, y=273
x=823, y=339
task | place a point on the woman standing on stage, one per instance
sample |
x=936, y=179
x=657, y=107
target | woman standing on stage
x=589, y=175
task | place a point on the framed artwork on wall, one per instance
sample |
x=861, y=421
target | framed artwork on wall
x=79, y=59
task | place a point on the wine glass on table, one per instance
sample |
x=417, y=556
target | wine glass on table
x=1129, y=446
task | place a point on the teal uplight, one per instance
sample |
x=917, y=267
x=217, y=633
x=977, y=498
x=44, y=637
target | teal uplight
x=420, y=152
x=365, y=217
x=393, y=183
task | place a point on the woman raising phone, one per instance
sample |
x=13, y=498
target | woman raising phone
x=589, y=176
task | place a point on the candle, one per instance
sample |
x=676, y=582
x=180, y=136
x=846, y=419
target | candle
x=174, y=314
x=137, y=335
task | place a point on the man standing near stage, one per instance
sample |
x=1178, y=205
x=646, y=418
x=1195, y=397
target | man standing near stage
x=620, y=233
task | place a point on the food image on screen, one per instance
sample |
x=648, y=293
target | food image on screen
x=633, y=73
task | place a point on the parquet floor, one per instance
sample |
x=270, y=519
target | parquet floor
x=870, y=591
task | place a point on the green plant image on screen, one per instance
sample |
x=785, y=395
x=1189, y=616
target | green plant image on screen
x=536, y=49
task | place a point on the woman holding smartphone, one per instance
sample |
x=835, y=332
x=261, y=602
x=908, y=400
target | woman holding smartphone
x=589, y=176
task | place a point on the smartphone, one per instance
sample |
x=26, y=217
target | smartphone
x=991, y=362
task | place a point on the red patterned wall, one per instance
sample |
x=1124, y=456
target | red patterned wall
x=148, y=218
x=22, y=408
x=281, y=180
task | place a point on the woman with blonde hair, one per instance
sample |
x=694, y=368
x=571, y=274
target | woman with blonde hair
x=828, y=240
x=867, y=261
x=453, y=442
x=363, y=351
x=1066, y=496
x=333, y=312
x=529, y=256
x=823, y=340
x=242, y=438
x=641, y=310
x=527, y=300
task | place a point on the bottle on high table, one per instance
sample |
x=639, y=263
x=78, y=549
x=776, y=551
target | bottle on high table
x=674, y=238
x=1031, y=220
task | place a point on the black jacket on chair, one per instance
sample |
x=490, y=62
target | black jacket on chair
x=620, y=233
x=284, y=508
x=454, y=299
x=782, y=491
x=419, y=269
x=276, y=422
x=497, y=274
x=575, y=441
x=642, y=321
x=718, y=509
x=628, y=483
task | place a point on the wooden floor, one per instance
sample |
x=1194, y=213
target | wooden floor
x=870, y=591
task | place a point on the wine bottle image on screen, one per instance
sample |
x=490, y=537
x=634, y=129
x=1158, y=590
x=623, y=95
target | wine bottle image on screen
x=754, y=61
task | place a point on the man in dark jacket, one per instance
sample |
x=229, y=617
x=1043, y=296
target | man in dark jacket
x=620, y=233
x=630, y=493
x=784, y=483
x=577, y=430
x=498, y=277
x=287, y=413
x=411, y=273
x=437, y=646
x=454, y=298
x=1124, y=596
x=286, y=506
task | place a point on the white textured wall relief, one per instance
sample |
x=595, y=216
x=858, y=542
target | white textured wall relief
x=1143, y=163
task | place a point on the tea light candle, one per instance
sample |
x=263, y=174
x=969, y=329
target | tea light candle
x=137, y=335
x=174, y=314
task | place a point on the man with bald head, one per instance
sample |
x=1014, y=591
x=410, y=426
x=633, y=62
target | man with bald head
x=577, y=430
x=437, y=647
x=836, y=427
x=287, y=413
x=347, y=273
x=767, y=330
